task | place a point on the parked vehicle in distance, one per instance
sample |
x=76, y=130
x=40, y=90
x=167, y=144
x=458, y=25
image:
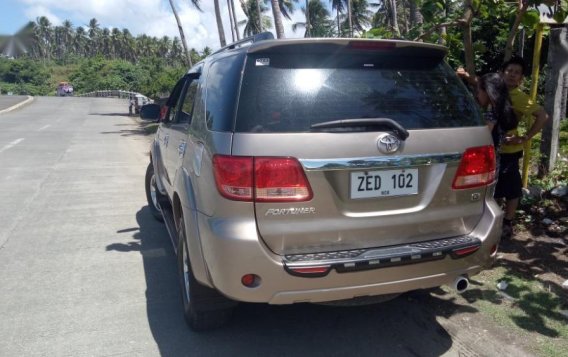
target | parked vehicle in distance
x=64, y=89
x=321, y=170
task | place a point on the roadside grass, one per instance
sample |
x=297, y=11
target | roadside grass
x=531, y=308
x=526, y=308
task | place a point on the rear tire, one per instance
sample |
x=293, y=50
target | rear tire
x=152, y=194
x=203, y=308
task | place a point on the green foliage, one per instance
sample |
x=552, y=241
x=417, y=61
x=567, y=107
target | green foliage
x=559, y=175
x=531, y=18
x=23, y=77
x=151, y=77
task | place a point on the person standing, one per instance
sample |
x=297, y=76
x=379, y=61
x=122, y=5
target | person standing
x=492, y=95
x=130, y=105
x=509, y=184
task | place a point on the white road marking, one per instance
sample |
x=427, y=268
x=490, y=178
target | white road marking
x=12, y=144
x=44, y=127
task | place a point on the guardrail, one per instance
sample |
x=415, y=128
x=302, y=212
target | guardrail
x=112, y=93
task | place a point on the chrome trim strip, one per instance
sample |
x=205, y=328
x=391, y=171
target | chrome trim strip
x=379, y=162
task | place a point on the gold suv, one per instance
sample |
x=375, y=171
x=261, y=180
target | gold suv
x=321, y=170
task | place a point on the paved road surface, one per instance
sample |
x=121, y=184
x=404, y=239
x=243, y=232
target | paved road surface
x=86, y=271
x=7, y=101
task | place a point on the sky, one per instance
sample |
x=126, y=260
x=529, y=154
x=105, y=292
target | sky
x=150, y=17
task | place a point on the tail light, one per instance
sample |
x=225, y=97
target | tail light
x=234, y=176
x=261, y=179
x=477, y=168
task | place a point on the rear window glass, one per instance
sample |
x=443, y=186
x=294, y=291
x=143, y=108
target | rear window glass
x=222, y=88
x=287, y=93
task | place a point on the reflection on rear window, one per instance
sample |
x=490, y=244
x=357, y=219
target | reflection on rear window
x=283, y=99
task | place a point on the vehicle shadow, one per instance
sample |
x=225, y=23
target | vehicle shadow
x=141, y=128
x=112, y=114
x=401, y=327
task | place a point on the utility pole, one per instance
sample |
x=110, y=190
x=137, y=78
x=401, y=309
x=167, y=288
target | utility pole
x=556, y=89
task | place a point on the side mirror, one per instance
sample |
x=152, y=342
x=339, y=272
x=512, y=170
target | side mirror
x=150, y=111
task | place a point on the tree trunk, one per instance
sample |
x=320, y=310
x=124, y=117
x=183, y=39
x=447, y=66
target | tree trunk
x=350, y=19
x=416, y=19
x=308, y=18
x=235, y=19
x=338, y=25
x=219, y=24
x=231, y=19
x=523, y=7
x=259, y=15
x=555, y=97
x=277, y=19
x=182, y=36
x=394, y=18
x=467, y=39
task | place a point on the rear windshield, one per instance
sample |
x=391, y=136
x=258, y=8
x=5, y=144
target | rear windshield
x=289, y=93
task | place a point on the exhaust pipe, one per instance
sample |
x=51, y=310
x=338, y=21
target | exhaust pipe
x=460, y=284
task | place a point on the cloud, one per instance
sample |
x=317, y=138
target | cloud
x=150, y=17
x=36, y=11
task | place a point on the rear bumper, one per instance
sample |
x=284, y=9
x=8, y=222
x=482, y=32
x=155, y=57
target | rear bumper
x=389, y=287
x=232, y=249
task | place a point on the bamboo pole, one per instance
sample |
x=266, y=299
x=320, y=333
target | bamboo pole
x=534, y=86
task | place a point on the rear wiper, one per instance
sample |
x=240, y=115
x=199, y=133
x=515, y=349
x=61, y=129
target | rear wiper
x=387, y=123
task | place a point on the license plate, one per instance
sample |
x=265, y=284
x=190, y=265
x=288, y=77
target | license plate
x=384, y=183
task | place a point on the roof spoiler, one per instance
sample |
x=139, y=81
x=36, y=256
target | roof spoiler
x=258, y=37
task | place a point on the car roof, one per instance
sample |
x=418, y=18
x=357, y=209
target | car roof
x=265, y=42
x=362, y=43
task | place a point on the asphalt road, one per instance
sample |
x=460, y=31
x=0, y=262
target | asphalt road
x=7, y=101
x=86, y=271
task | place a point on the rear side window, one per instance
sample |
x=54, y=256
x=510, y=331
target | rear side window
x=289, y=93
x=222, y=86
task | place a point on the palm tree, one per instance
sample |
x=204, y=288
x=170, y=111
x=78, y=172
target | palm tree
x=115, y=39
x=66, y=35
x=320, y=24
x=80, y=41
x=180, y=28
x=106, y=43
x=360, y=16
x=233, y=18
x=416, y=19
x=45, y=36
x=307, y=14
x=277, y=18
x=164, y=47
x=128, y=46
x=286, y=7
x=393, y=14
x=258, y=11
x=176, y=50
x=338, y=6
x=349, y=17
x=219, y=24
x=93, y=32
x=252, y=23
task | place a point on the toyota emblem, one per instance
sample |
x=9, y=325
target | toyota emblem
x=388, y=143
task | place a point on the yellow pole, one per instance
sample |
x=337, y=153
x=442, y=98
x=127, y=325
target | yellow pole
x=534, y=85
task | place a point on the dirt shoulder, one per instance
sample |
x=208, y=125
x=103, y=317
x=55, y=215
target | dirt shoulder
x=529, y=313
